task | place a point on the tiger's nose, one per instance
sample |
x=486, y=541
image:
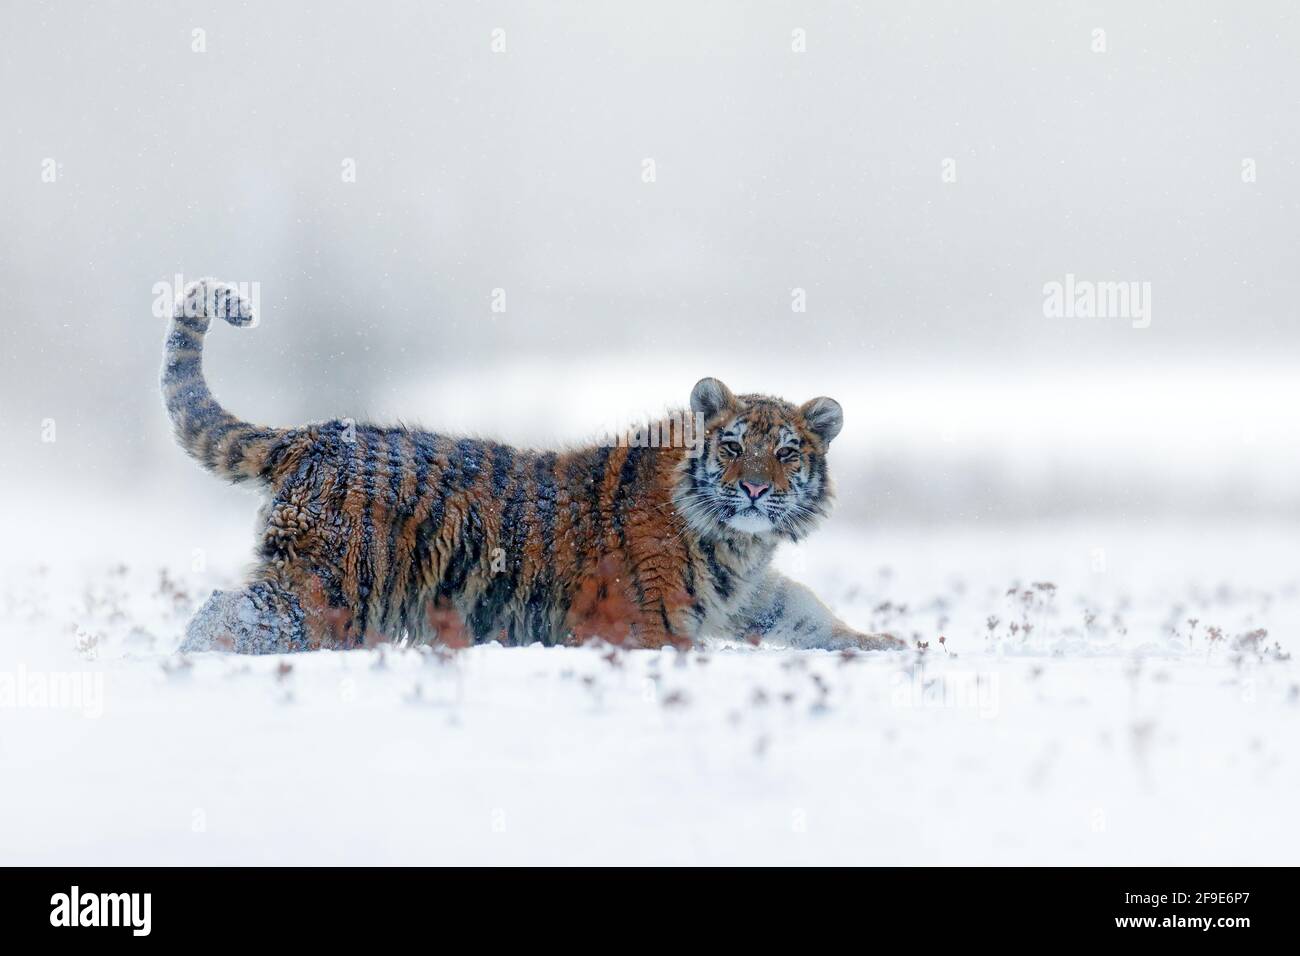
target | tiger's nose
x=754, y=491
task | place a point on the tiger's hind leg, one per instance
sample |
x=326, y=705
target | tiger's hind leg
x=264, y=618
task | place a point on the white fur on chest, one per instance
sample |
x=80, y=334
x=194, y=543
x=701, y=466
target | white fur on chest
x=744, y=562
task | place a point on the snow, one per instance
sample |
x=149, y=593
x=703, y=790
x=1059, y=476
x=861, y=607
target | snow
x=1118, y=741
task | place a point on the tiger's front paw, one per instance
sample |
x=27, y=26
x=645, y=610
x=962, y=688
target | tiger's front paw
x=856, y=640
x=881, y=642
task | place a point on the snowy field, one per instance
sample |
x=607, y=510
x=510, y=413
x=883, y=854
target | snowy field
x=1081, y=718
x=542, y=223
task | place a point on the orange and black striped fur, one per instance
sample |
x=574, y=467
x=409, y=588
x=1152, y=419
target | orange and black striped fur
x=374, y=534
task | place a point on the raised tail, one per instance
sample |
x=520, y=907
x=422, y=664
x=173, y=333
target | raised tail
x=224, y=445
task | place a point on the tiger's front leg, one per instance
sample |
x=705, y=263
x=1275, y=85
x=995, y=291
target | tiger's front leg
x=786, y=612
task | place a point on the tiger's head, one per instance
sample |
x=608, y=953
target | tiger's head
x=762, y=467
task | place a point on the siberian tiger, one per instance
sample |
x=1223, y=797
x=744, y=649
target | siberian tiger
x=371, y=534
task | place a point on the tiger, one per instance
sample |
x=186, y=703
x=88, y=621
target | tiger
x=369, y=534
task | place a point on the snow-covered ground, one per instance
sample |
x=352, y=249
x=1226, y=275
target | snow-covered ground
x=1089, y=722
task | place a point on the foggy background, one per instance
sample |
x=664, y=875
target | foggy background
x=919, y=173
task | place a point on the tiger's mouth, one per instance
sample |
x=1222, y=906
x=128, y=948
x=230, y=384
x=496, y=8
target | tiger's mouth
x=751, y=520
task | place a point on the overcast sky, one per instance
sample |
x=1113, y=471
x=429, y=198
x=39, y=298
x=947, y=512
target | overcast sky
x=658, y=184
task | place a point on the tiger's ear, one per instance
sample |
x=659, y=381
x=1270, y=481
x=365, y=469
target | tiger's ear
x=709, y=397
x=824, y=416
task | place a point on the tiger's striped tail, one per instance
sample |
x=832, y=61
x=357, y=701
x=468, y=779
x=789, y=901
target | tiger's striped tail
x=223, y=444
